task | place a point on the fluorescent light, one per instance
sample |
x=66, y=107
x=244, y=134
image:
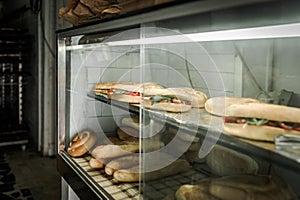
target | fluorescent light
x=277, y=31
x=265, y=32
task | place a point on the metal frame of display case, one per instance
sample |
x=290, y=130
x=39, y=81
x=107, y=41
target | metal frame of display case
x=76, y=177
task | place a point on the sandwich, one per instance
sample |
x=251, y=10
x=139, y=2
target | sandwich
x=166, y=99
x=129, y=92
x=103, y=88
x=197, y=97
x=253, y=119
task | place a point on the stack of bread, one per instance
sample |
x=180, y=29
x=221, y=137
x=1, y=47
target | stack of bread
x=120, y=156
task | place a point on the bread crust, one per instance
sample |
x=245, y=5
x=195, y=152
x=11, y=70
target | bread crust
x=109, y=151
x=112, y=85
x=194, y=192
x=218, y=105
x=125, y=98
x=131, y=175
x=197, y=97
x=96, y=164
x=253, y=132
x=251, y=108
x=121, y=163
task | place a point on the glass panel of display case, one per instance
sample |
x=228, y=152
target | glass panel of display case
x=134, y=115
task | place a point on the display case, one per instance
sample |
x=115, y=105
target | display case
x=112, y=147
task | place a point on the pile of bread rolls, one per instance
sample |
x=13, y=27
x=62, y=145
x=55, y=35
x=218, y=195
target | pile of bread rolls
x=119, y=156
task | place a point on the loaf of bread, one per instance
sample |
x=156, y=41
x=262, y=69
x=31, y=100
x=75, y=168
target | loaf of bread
x=240, y=187
x=132, y=174
x=123, y=162
x=224, y=161
x=194, y=192
x=113, y=150
x=96, y=164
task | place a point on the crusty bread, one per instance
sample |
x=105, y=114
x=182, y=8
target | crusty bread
x=251, y=108
x=132, y=175
x=197, y=97
x=169, y=107
x=112, y=85
x=121, y=163
x=112, y=151
x=194, y=192
x=262, y=133
x=96, y=164
x=81, y=143
x=244, y=187
x=224, y=161
x=218, y=105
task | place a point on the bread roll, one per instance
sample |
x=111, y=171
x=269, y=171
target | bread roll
x=224, y=161
x=131, y=175
x=194, y=192
x=219, y=105
x=252, y=108
x=121, y=163
x=112, y=151
x=96, y=164
x=81, y=143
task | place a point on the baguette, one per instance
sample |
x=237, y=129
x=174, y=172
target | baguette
x=253, y=119
x=132, y=175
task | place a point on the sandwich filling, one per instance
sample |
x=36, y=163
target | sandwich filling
x=165, y=99
x=258, y=122
x=116, y=91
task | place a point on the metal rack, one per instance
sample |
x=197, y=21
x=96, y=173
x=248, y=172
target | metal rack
x=13, y=55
